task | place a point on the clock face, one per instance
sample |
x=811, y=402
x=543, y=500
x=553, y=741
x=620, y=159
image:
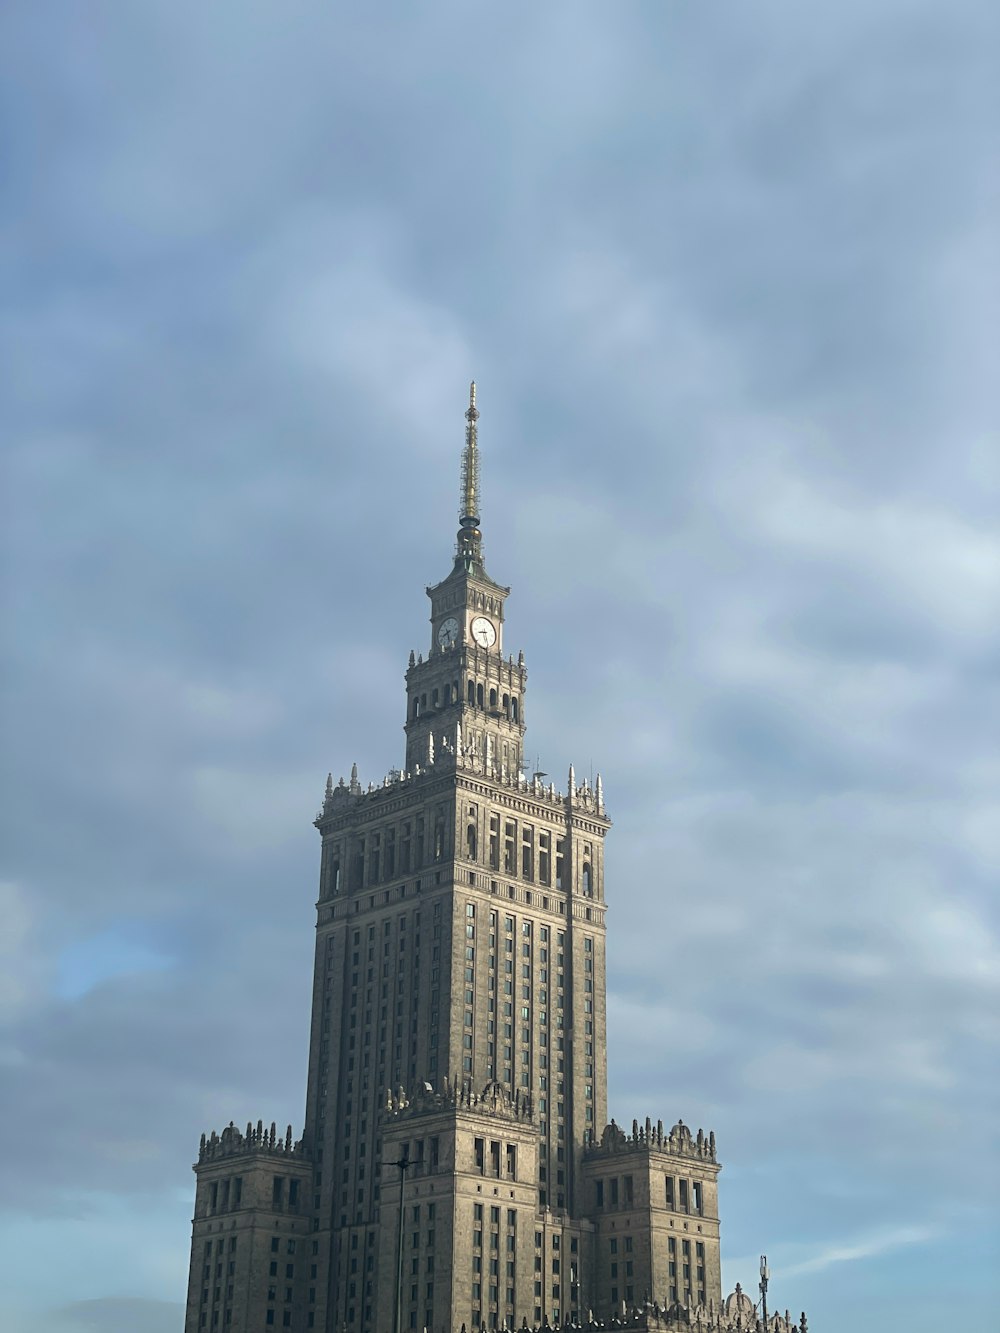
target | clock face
x=483, y=631
x=448, y=632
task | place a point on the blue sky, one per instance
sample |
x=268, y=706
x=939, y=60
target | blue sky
x=727, y=277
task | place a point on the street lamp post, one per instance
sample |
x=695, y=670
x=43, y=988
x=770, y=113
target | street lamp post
x=403, y=1163
x=765, y=1273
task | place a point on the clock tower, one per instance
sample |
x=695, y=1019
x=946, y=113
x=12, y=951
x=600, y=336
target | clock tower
x=456, y=1166
x=464, y=694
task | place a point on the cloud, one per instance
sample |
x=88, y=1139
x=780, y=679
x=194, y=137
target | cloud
x=868, y=1247
x=18, y=974
x=726, y=292
x=109, y=1315
x=119, y=951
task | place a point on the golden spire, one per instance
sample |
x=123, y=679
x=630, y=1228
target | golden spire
x=470, y=539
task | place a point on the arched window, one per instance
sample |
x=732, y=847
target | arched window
x=438, y=839
x=470, y=842
x=435, y=699
x=587, y=890
x=414, y=707
x=472, y=691
x=479, y=695
x=493, y=698
x=506, y=704
x=455, y=696
x=513, y=708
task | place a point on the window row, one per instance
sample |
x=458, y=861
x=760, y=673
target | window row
x=614, y=1192
x=478, y=694
x=385, y=853
x=684, y=1196
x=225, y=1195
x=519, y=851
x=499, y=1161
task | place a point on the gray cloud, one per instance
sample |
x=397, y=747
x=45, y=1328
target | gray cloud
x=727, y=291
x=121, y=1316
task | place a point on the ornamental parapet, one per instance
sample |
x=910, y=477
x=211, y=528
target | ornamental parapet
x=679, y=1141
x=256, y=1140
x=737, y=1314
x=582, y=798
x=495, y=1101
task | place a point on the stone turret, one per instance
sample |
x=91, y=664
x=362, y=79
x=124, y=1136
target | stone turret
x=661, y=1188
x=253, y=1198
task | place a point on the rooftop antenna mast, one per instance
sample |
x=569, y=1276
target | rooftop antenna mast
x=765, y=1273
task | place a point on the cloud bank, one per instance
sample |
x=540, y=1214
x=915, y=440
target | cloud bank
x=727, y=289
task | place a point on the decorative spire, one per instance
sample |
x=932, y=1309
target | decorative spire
x=470, y=539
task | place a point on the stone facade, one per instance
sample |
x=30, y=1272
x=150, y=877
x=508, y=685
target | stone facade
x=655, y=1204
x=251, y=1231
x=457, y=1062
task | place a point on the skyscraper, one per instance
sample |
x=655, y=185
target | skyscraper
x=456, y=1166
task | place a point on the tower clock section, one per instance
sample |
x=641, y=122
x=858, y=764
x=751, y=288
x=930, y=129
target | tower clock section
x=466, y=701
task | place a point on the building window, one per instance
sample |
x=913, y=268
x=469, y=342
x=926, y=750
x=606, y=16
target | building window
x=509, y=865
x=527, y=854
x=544, y=857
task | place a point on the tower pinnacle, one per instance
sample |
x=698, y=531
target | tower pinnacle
x=470, y=539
